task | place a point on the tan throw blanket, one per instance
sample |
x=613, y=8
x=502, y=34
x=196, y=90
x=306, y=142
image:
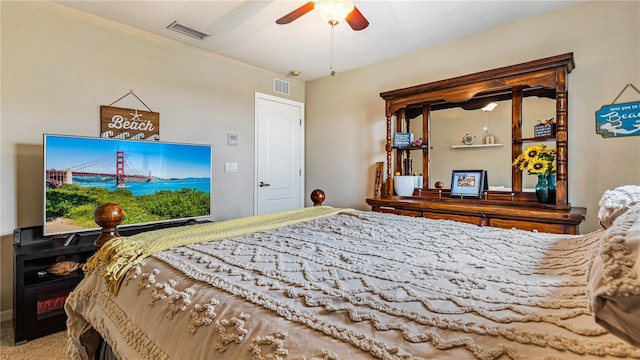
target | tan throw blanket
x=121, y=254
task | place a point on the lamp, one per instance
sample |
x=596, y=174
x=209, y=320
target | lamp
x=334, y=11
x=490, y=106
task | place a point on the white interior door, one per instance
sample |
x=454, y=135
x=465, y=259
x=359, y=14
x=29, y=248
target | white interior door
x=279, y=147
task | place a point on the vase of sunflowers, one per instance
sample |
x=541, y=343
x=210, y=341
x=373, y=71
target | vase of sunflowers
x=540, y=160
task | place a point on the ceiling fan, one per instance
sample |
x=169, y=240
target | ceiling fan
x=332, y=11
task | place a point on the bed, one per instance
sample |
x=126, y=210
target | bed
x=326, y=283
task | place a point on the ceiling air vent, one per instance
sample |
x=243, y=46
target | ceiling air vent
x=187, y=30
x=281, y=86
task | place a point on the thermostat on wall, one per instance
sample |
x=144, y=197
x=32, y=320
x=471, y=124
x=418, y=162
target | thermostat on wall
x=232, y=139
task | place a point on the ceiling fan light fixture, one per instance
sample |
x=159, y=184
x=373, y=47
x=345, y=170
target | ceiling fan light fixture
x=334, y=11
x=490, y=106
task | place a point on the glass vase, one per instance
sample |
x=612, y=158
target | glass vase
x=551, y=182
x=546, y=188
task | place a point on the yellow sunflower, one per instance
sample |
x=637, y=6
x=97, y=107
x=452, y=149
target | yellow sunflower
x=532, y=152
x=536, y=159
x=538, y=166
x=520, y=162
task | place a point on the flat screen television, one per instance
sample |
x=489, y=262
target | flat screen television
x=155, y=182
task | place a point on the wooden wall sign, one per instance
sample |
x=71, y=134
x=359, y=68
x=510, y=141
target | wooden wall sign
x=618, y=120
x=122, y=123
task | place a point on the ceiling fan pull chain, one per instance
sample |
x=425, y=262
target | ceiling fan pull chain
x=333, y=73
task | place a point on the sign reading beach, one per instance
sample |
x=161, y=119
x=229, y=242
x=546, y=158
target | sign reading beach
x=618, y=120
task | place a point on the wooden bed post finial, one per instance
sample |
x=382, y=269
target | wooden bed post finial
x=317, y=196
x=108, y=216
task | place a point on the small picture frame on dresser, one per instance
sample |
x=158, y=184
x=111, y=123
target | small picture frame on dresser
x=468, y=183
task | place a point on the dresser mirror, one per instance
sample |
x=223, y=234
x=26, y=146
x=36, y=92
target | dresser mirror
x=448, y=152
x=446, y=111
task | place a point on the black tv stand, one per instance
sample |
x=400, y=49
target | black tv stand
x=38, y=306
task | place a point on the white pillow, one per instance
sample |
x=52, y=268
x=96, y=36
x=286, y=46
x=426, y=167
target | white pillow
x=613, y=284
x=615, y=202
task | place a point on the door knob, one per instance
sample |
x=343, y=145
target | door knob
x=263, y=184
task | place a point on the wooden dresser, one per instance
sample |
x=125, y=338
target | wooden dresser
x=544, y=78
x=485, y=213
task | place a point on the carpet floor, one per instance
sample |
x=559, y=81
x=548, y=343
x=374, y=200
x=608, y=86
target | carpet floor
x=52, y=346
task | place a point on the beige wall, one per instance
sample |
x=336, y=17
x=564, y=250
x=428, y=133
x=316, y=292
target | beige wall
x=346, y=122
x=59, y=66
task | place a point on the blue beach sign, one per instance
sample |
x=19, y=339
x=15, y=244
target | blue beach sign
x=618, y=120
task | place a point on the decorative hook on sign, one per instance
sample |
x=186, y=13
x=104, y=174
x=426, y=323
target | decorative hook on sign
x=623, y=89
x=145, y=105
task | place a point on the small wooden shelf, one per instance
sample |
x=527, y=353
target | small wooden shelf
x=410, y=147
x=475, y=146
x=534, y=139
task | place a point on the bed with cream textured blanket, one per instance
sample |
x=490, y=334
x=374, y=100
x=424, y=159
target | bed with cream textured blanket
x=363, y=285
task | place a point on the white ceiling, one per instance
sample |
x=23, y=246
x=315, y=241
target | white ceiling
x=246, y=30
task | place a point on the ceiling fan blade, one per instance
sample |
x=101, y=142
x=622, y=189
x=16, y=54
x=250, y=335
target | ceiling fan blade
x=296, y=13
x=356, y=20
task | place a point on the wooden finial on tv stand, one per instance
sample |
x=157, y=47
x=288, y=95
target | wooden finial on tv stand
x=108, y=216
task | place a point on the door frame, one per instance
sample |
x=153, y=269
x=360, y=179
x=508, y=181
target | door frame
x=262, y=96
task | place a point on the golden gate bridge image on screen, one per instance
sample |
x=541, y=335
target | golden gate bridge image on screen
x=103, y=167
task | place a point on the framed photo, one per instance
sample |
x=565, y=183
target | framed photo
x=490, y=139
x=468, y=183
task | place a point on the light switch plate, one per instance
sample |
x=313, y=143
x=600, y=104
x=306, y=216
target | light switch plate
x=230, y=167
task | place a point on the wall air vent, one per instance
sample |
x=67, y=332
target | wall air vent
x=281, y=86
x=188, y=30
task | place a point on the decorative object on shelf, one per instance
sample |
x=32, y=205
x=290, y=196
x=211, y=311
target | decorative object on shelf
x=468, y=183
x=64, y=268
x=417, y=142
x=539, y=160
x=439, y=185
x=545, y=128
x=468, y=139
x=619, y=119
x=404, y=185
x=402, y=139
x=489, y=139
x=377, y=182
